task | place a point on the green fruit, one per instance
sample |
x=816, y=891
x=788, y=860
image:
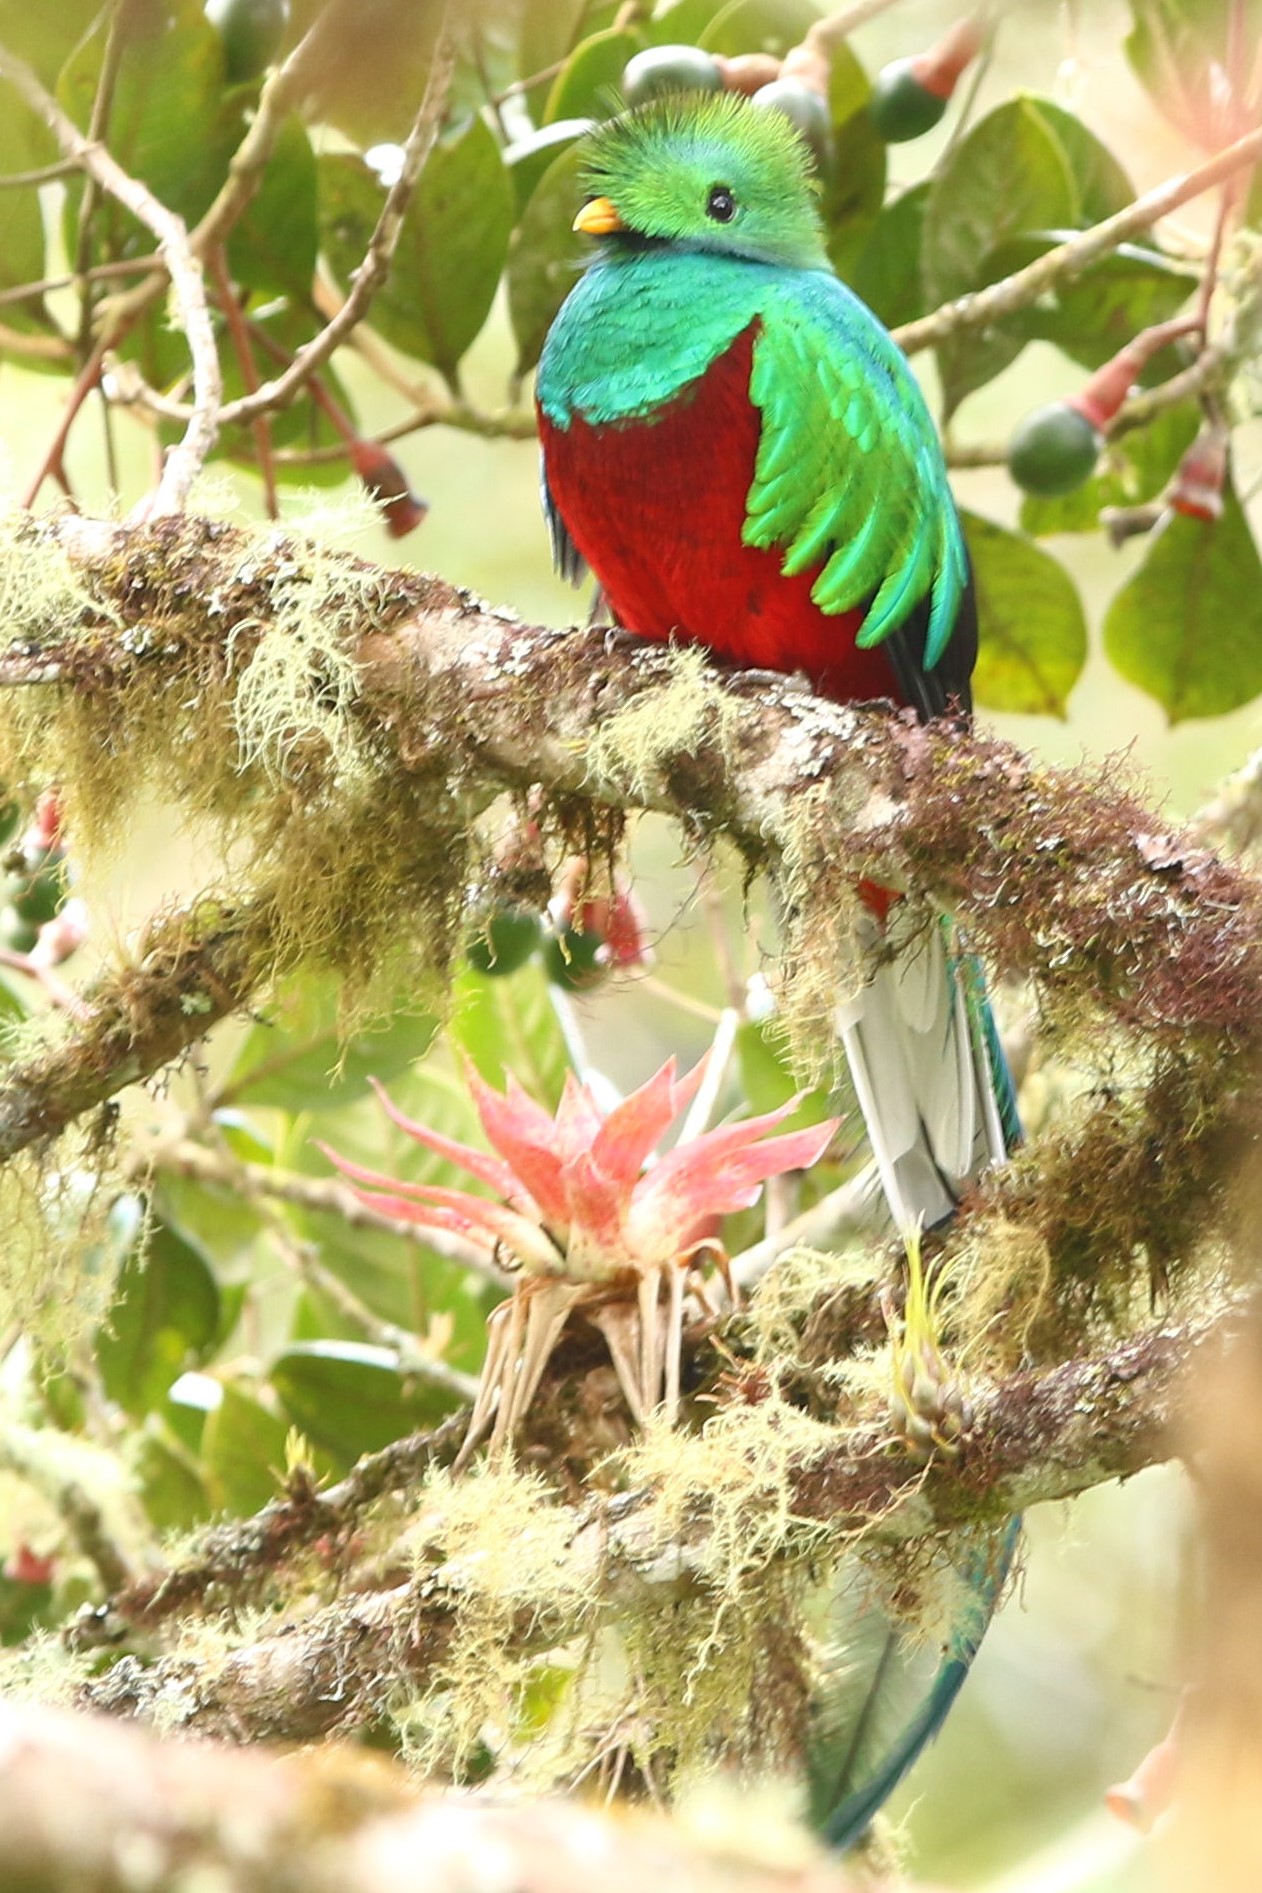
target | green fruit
x=37, y=897
x=572, y=959
x=508, y=938
x=16, y=934
x=251, y=31
x=662, y=69
x=805, y=109
x=900, y=106
x=1053, y=450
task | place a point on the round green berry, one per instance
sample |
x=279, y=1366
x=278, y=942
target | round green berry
x=805, y=109
x=574, y=959
x=659, y=70
x=508, y=938
x=1053, y=450
x=251, y=31
x=900, y=106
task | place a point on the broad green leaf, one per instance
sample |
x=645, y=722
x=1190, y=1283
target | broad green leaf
x=1133, y=469
x=587, y=86
x=767, y=1080
x=1101, y=181
x=684, y=24
x=23, y=145
x=368, y=76
x=44, y=36
x=548, y=35
x=1033, y=632
x=1181, y=51
x=527, y=160
x=164, y=1320
x=243, y=1452
x=450, y=253
x=171, y=1485
x=301, y=1061
x=510, y=1025
x=886, y=272
x=273, y=248
x=759, y=26
x=351, y=1398
x=545, y=256
x=967, y=217
x=170, y=124
x=854, y=189
x=1187, y=628
x=213, y=1218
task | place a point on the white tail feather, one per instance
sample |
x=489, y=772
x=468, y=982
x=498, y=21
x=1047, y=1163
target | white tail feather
x=920, y=1072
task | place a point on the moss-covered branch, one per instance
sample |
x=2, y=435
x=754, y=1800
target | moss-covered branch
x=1033, y=1437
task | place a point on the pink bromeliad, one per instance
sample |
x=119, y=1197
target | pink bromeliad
x=586, y=1222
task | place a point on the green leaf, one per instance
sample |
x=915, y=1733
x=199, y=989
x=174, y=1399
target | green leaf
x=351, y=1398
x=1134, y=468
x=170, y=124
x=1055, y=174
x=886, y=272
x=587, y=86
x=243, y=1452
x=164, y=1320
x=854, y=189
x=303, y=1062
x=767, y=1080
x=1181, y=51
x=1034, y=634
x=511, y=1025
x=171, y=1485
x=43, y=36
x=23, y=146
x=759, y=26
x=273, y=248
x=968, y=216
x=528, y=159
x=683, y=24
x=548, y=34
x=451, y=251
x=545, y=256
x=370, y=72
x=1187, y=628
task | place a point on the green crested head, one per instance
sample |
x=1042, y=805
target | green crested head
x=709, y=173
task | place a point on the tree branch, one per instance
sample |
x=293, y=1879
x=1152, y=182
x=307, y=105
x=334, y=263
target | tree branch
x=1033, y=1437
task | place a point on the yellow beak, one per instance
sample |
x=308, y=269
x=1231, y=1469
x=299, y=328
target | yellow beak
x=598, y=219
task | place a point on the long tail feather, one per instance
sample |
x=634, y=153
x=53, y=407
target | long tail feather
x=939, y=1106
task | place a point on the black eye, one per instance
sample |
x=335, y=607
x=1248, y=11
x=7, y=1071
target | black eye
x=720, y=204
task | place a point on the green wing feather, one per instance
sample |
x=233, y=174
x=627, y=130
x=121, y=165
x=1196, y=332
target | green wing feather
x=849, y=470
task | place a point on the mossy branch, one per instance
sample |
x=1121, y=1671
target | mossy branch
x=1034, y=1437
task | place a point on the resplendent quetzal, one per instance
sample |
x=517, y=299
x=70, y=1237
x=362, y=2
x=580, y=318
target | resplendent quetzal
x=739, y=452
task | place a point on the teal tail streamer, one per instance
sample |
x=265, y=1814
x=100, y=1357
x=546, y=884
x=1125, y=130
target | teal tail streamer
x=940, y=1106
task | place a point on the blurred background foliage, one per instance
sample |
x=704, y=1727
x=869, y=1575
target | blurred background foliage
x=237, y=1312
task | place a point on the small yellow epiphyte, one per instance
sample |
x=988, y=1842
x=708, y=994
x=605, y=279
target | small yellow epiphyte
x=927, y=1405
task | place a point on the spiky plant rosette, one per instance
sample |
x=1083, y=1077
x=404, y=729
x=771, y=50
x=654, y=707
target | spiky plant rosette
x=589, y=1218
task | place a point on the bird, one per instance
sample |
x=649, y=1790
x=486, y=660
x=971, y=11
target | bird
x=737, y=450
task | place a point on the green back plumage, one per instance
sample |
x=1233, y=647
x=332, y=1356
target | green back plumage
x=848, y=468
